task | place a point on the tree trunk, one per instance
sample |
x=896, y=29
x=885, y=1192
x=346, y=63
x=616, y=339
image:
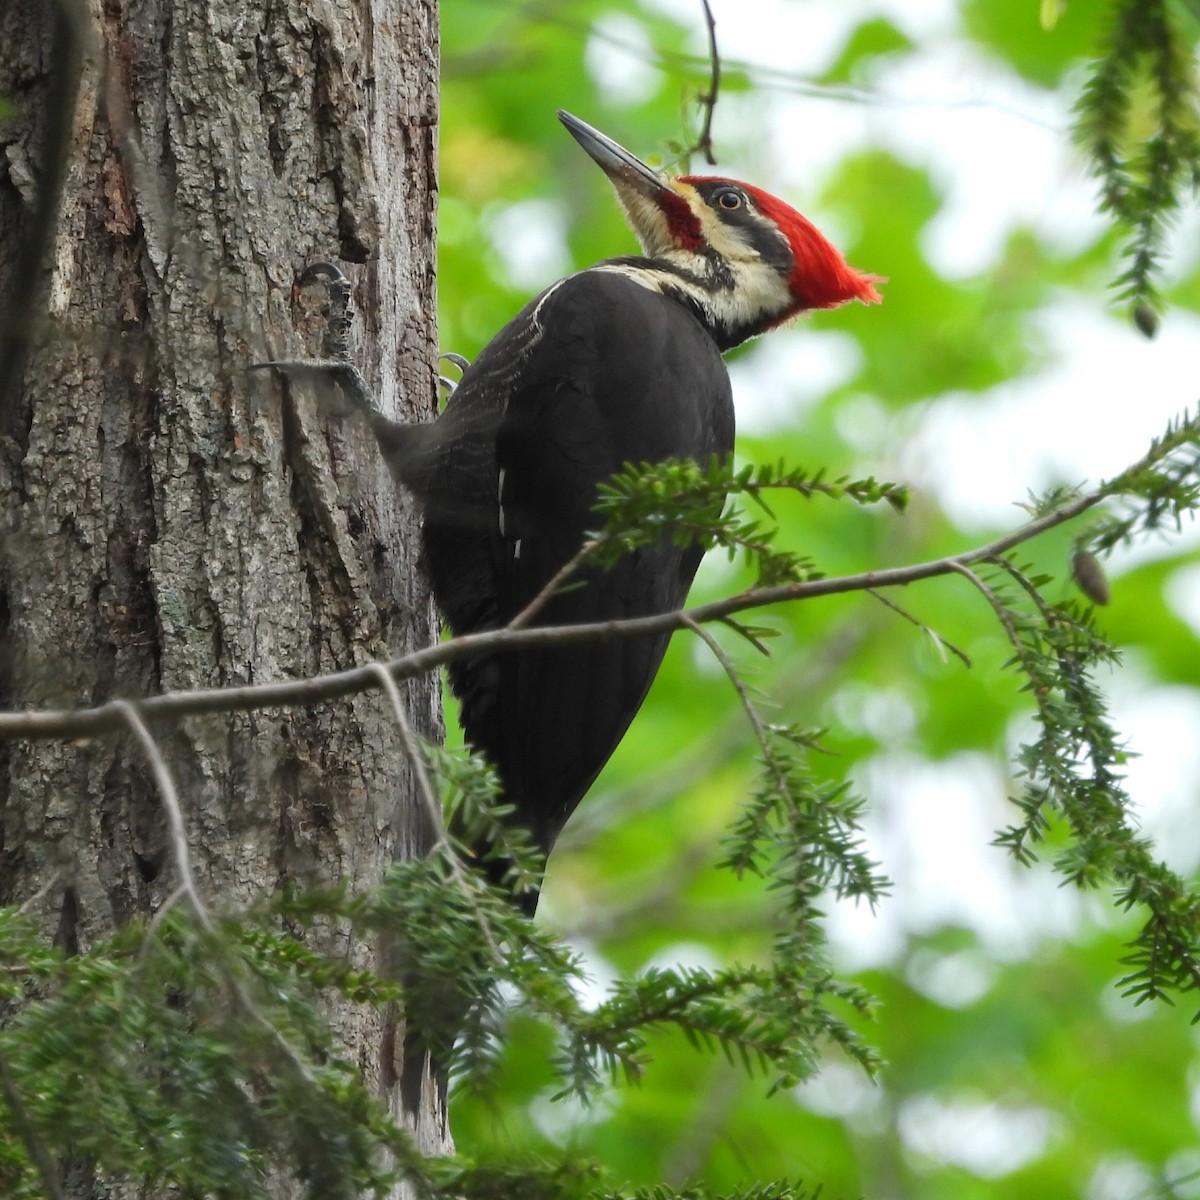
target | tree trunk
x=170, y=521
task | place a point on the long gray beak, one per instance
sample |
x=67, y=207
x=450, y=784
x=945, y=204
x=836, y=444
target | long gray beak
x=613, y=159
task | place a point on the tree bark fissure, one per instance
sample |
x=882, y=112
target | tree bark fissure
x=169, y=520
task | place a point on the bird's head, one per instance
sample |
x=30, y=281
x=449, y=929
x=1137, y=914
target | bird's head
x=750, y=260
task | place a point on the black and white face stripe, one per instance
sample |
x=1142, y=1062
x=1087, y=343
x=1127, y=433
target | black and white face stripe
x=737, y=212
x=734, y=274
x=734, y=301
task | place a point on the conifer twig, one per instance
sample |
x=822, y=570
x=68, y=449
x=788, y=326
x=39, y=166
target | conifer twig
x=170, y=802
x=429, y=801
x=104, y=718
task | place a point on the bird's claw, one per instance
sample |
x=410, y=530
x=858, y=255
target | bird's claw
x=447, y=384
x=337, y=365
x=322, y=272
x=341, y=309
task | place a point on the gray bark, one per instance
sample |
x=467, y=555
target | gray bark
x=169, y=521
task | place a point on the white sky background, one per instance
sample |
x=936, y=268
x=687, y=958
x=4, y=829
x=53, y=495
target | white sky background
x=999, y=150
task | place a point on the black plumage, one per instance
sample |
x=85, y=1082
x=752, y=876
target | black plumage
x=618, y=364
x=596, y=373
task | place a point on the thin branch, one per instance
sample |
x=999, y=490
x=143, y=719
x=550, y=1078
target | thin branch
x=105, y=718
x=1002, y=613
x=708, y=100
x=555, y=582
x=156, y=921
x=677, y=773
x=170, y=802
x=1022, y=581
x=187, y=884
x=782, y=79
x=428, y=797
x=39, y=894
x=433, y=809
x=940, y=642
x=752, y=715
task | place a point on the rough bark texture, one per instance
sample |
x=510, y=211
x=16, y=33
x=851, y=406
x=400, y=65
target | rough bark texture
x=169, y=521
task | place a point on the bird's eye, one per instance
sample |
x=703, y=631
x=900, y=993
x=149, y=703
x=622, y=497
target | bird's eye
x=730, y=200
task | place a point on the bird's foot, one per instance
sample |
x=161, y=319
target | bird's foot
x=446, y=384
x=340, y=315
x=337, y=366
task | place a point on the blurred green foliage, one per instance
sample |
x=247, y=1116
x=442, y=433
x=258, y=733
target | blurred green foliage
x=1014, y=1067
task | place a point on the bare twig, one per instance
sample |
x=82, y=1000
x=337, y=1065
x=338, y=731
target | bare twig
x=170, y=802
x=428, y=796
x=789, y=82
x=1002, y=613
x=187, y=890
x=159, y=917
x=708, y=100
x=40, y=893
x=555, y=582
x=408, y=744
x=678, y=773
x=105, y=718
x=933, y=635
x=761, y=732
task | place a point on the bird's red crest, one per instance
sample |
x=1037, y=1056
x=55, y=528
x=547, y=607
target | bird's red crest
x=821, y=277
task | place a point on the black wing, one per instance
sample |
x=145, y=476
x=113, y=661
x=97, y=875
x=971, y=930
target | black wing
x=596, y=373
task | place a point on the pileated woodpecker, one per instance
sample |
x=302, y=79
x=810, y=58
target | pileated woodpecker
x=617, y=364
